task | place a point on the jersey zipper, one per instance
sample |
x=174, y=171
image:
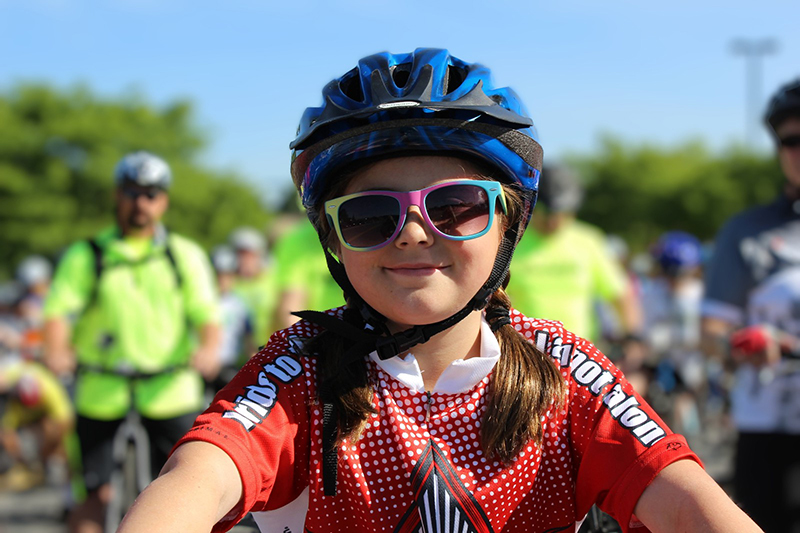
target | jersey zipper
x=428, y=402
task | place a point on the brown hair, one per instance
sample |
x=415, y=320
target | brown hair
x=524, y=383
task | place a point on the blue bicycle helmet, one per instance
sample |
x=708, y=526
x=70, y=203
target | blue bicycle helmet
x=426, y=101
x=423, y=102
x=677, y=252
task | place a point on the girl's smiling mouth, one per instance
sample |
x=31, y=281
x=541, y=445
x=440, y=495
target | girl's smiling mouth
x=414, y=269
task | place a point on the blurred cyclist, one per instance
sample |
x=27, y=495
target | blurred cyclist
x=302, y=278
x=753, y=279
x=34, y=273
x=236, y=318
x=141, y=297
x=255, y=283
x=574, y=269
x=35, y=422
x=671, y=305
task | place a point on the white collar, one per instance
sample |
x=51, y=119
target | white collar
x=460, y=376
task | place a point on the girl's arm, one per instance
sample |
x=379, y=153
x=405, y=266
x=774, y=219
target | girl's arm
x=197, y=487
x=683, y=498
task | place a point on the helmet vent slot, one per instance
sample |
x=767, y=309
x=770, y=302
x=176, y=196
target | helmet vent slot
x=401, y=75
x=455, y=77
x=351, y=87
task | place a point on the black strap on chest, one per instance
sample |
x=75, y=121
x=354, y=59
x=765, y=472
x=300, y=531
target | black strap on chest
x=330, y=457
x=99, y=267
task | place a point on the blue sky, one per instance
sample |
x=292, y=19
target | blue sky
x=659, y=73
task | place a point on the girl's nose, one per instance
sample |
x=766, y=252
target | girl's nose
x=415, y=230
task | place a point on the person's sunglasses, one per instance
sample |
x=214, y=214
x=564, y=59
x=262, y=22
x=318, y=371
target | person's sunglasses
x=792, y=141
x=133, y=194
x=457, y=210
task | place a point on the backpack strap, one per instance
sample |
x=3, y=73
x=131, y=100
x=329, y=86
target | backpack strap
x=97, y=253
x=178, y=277
x=171, y=257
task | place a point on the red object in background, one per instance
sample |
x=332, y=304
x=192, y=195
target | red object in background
x=32, y=343
x=750, y=340
x=29, y=391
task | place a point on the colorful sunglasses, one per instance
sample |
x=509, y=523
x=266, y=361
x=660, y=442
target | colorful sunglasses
x=456, y=210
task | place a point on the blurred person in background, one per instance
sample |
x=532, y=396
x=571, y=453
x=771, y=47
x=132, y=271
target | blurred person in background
x=34, y=274
x=21, y=304
x=753, y=282
x=255, y=282
x=303, y=279
x=35, y=424
x=671, y=301
x=611, y=326
x=571, y=269
x=236, y=319
x=135, y=299
x=11, y=325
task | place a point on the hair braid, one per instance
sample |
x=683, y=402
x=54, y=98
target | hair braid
x=524, y=384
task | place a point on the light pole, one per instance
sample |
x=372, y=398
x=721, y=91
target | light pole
x=753, y=51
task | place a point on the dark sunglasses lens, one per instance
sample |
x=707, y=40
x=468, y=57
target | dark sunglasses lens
x=133, y=194
x=792, y=141
x=458, y=210
x=368, y=221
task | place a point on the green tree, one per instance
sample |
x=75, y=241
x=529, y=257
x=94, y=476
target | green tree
x=639, y=192
x=58, y=149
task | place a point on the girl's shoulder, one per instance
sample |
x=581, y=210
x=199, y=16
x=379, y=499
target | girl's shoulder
x=581, y=364
x=549, y=336
x=296, y=339
x=288, y=354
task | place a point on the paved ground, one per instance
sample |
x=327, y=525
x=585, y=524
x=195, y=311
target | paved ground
x=38, y=510
x=41, y=510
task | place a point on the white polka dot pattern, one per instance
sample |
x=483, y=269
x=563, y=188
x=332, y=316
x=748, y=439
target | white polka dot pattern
x=587, y=451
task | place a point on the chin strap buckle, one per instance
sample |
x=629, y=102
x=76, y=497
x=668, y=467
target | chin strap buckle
x=388, y=347
x=481, y=300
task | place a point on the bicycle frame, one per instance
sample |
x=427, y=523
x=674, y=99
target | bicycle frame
x=131, y=444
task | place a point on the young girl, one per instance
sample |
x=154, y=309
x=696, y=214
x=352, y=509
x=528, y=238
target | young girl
x=427, y=403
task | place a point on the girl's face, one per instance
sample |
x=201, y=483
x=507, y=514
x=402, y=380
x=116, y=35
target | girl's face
x=420, y=277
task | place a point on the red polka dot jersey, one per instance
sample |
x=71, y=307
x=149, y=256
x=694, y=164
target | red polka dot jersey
x=418, y=465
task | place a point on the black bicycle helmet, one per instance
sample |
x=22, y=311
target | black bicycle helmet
x=784, y=104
